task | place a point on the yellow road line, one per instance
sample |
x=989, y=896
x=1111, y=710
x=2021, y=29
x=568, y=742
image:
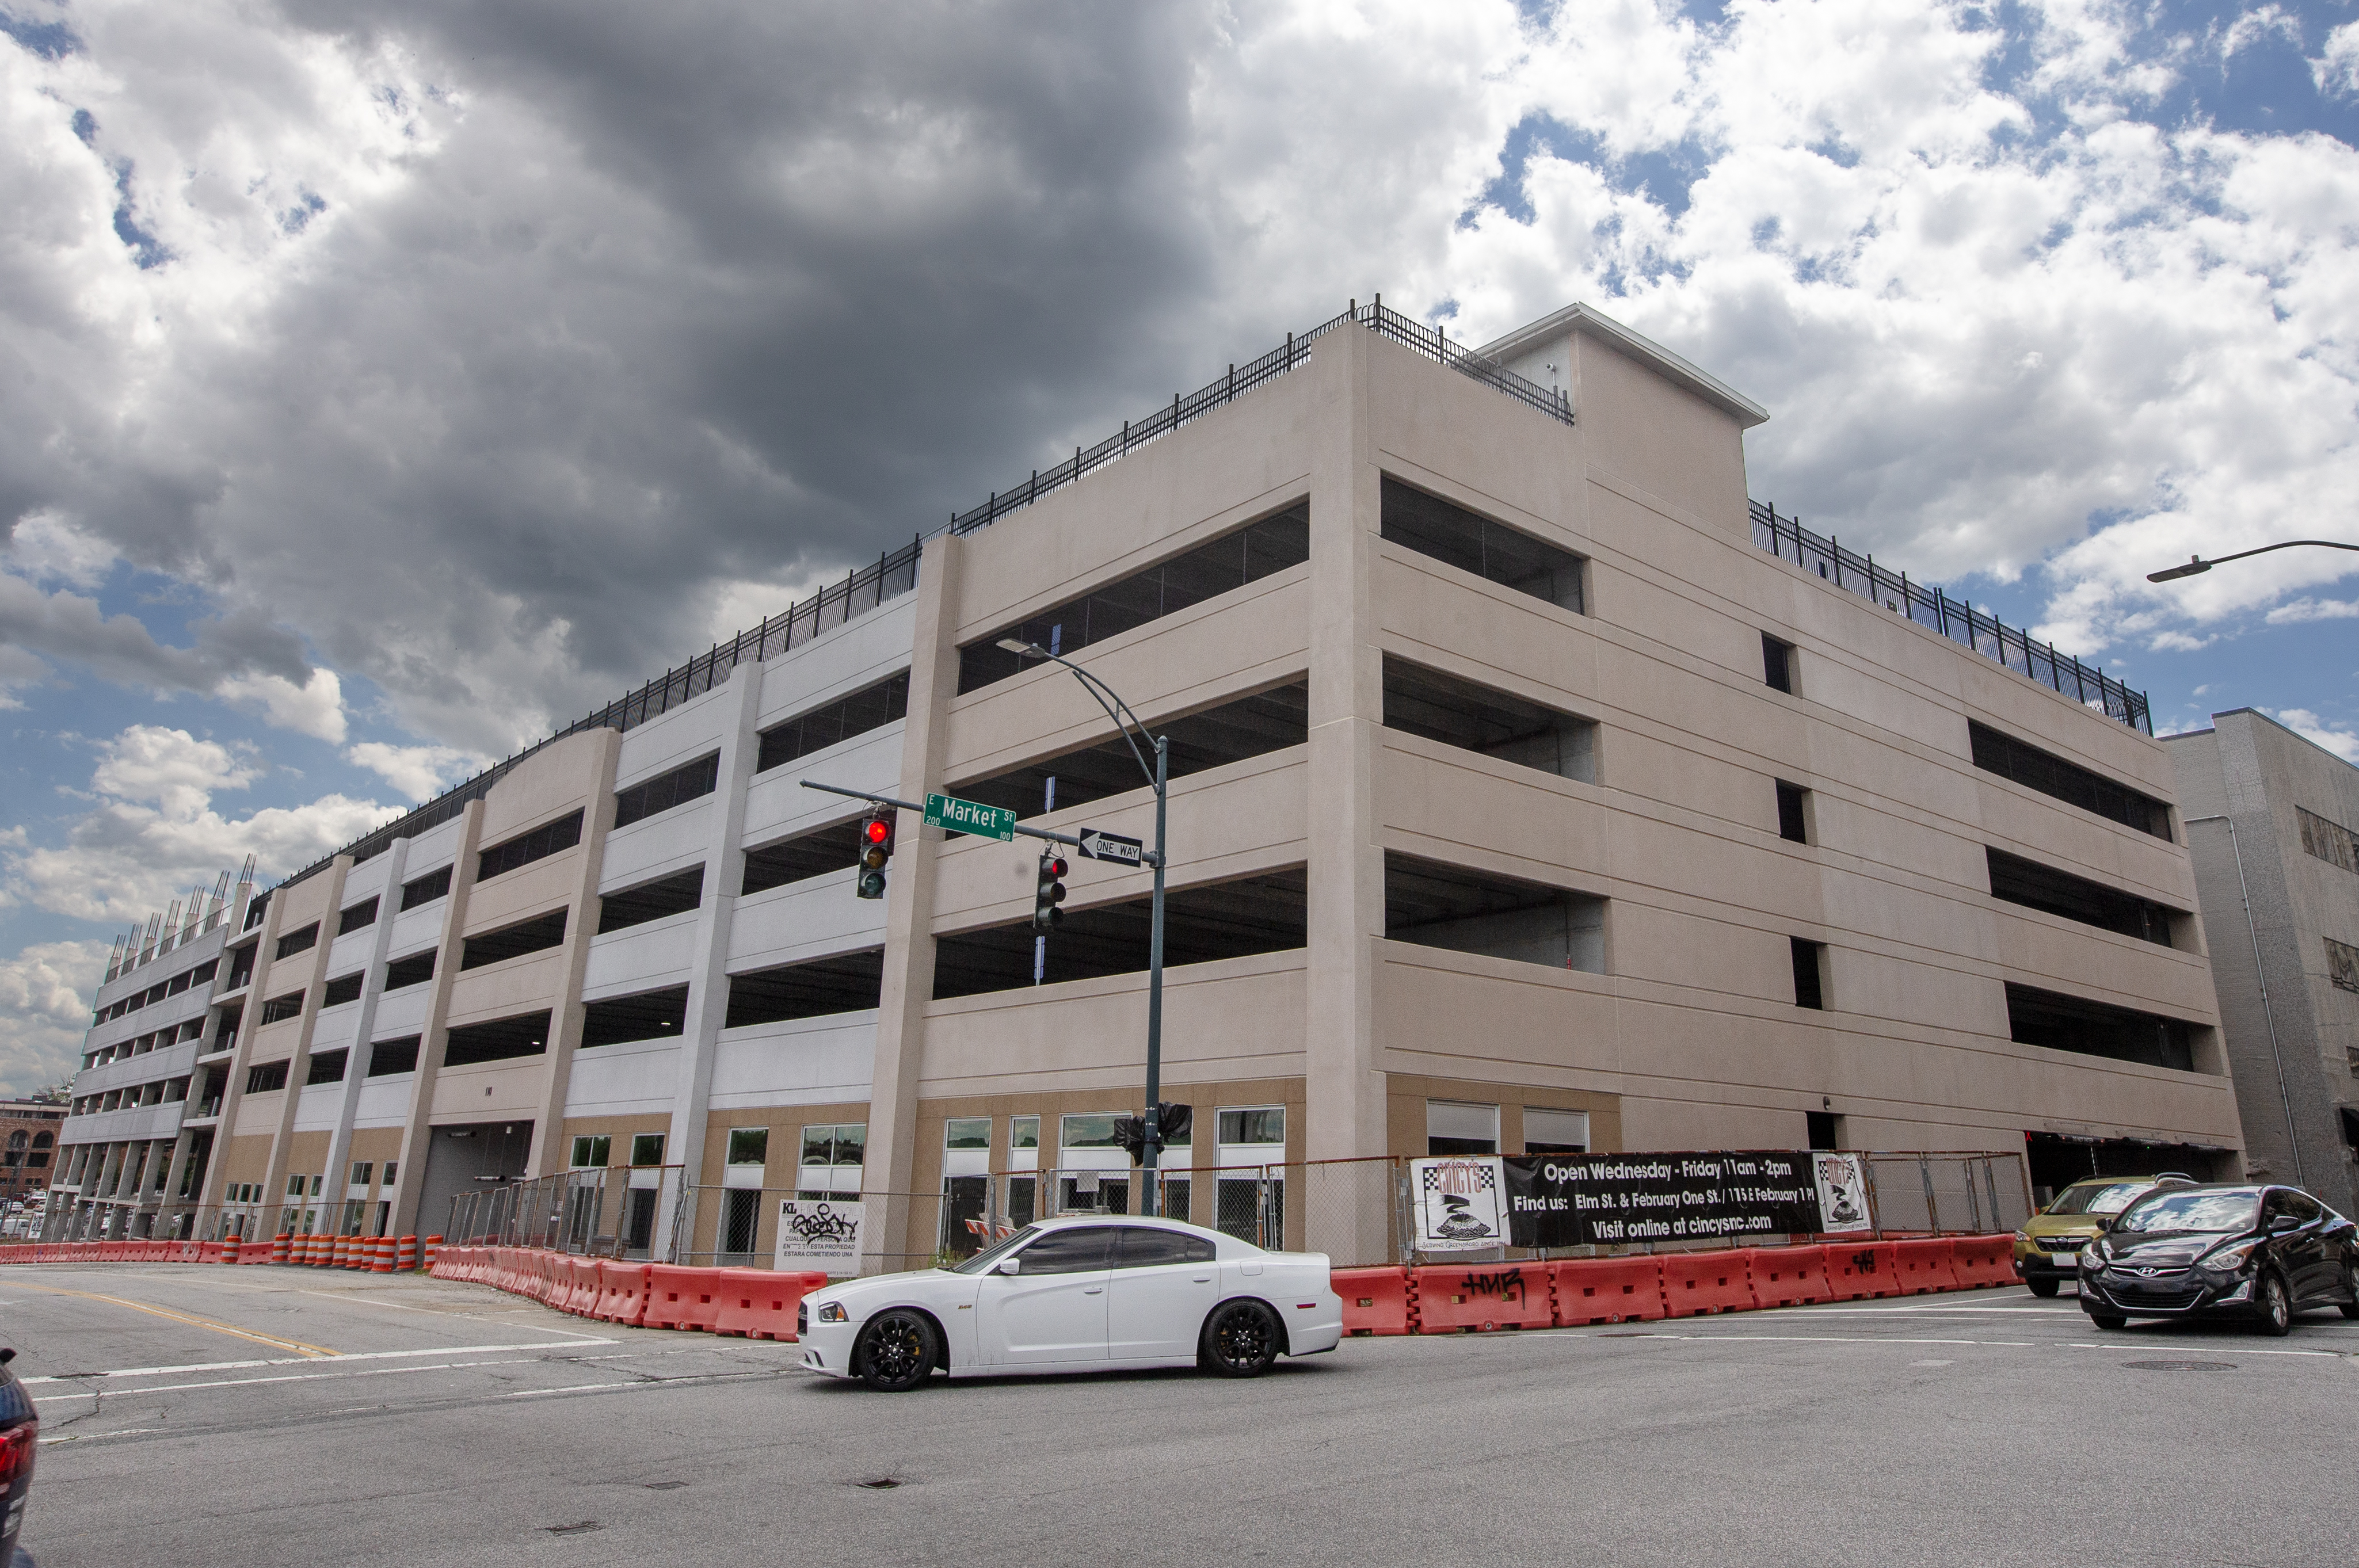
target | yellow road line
x=295, y=1345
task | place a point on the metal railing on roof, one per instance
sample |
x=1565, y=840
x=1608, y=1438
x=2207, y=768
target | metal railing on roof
x=1185, y=407
x=1962, y=623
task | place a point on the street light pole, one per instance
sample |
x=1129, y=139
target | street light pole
x=1160, y=777
x=2198, y=564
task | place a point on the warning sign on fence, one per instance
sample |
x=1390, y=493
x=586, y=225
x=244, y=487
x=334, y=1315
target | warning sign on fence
x=821, y=1233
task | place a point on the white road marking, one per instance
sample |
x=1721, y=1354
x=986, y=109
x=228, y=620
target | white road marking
x=2013, y=1310
x=293, y=1378
x=1898, y=1339
x=575, y=1388
x=316, y=1360
x=94, y=1436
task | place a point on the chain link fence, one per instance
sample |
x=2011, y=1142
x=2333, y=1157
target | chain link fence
x=613, y=1212
x=1358, y=1212
x=1947, y=1194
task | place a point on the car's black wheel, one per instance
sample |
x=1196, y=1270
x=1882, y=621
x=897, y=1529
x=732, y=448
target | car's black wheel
x=2043, y=1287
x=2276, y=1307
x=1241, y=1340
x=2109, y=1321
x=2350, y=1286
x=898, y=1351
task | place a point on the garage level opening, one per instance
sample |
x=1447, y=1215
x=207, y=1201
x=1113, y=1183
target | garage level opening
x=1249, y=727
x=1469, y=911
x=1226, y=920
x=1488, y=721
x=2095, y=1028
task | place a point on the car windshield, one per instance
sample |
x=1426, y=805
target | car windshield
x=2097, y=1197
x=2205, y=1212
x=982, y=1261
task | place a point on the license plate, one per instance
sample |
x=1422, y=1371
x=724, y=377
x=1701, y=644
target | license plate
x=2067, y=1259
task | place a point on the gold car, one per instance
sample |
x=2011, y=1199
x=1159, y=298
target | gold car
x=2047, y=1247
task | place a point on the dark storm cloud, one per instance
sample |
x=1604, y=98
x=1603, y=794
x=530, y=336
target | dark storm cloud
x=669, y=297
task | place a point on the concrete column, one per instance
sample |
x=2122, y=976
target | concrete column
x=249, y=1019
x=417, y=1134
x=176, y=1171
x=356, y=1065
x=908, y=983
x=2279, y=1073
x=547, y=1156
x=707, y=986
x=309, y=969
x=1344, y=1084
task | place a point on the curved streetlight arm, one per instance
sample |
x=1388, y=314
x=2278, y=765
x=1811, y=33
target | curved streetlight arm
x=2198, y=564
x=1125, y=720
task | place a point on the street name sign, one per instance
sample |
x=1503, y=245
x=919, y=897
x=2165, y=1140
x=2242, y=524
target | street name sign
x=970, y=816
x=1100, y=846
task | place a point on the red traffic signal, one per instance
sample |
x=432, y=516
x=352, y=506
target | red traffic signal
x=875, y=850
x=1050, y=892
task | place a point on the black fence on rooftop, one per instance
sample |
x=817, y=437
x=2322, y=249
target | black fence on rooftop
x=1962, y=623
x=1185, y=407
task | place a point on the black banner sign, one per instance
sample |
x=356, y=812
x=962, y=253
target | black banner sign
x=1581, y=1200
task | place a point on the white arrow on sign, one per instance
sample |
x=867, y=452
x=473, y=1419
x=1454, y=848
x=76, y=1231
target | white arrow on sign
x=1099, y=846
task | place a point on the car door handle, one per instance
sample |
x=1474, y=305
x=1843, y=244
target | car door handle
x=1095, y=1290
x=1203, y=1279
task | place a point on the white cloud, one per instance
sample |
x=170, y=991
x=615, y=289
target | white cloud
x=314, y=708
x=2336, y=68
x=171, y=768
x=2343, y=742
x=46, y=992
x=2307, y=608
x=47, y=547
x=419, y=771
x=154, y=830
x=2260, y=23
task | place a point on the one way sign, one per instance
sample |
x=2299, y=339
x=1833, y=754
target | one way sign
x=1099, y=846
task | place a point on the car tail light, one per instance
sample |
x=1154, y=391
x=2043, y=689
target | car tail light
x=17, y=1452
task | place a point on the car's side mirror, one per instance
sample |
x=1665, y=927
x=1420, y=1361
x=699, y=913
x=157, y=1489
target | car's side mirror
x=2104, y=1222
x=6, y=1356
x=1014, y=1265
x=2281, y=1223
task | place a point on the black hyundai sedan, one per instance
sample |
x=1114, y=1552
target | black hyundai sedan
x=2258, y=1252
x=19, y=1428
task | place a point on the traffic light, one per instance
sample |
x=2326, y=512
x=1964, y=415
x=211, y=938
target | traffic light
x=1173, y=1125
x=1046, y=915
x=875, y=851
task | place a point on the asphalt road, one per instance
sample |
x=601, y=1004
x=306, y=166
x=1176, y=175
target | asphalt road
x=267, y=1416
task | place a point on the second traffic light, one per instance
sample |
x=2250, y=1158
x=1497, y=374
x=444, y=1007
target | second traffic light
x=876, y=853
x=1046, y=915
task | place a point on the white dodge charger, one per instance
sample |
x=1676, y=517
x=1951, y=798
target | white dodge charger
x=1079, y=1294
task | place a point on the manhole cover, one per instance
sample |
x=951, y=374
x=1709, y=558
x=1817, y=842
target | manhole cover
x=882, y=1484
x=2181, y=1366
x=584, y=1528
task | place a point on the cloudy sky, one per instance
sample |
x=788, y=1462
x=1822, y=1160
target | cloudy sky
x=383, y=385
